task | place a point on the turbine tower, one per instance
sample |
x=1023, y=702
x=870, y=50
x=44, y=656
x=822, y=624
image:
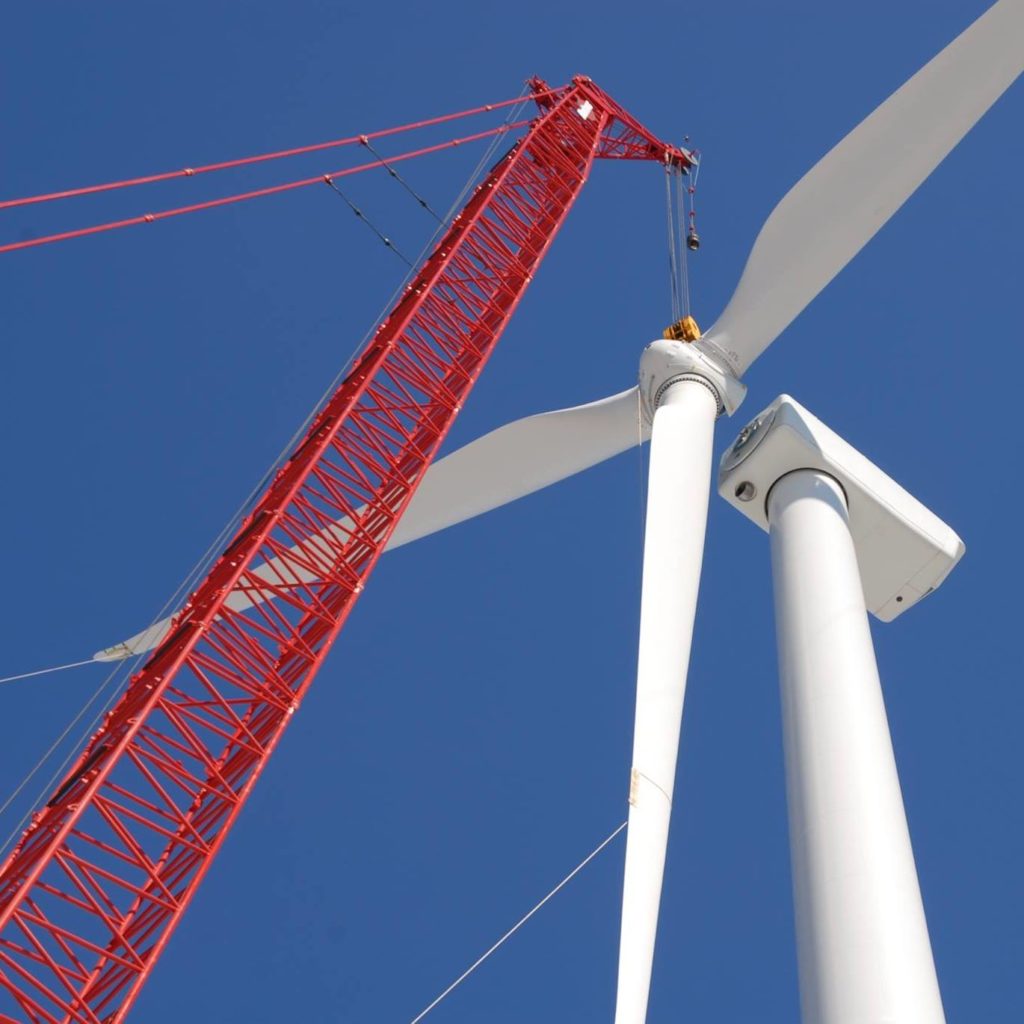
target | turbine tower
x=844, y=538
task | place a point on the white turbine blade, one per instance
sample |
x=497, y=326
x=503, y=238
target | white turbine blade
x=842, y=202
x=677, y=507
x=518, y=459
x=508, y=463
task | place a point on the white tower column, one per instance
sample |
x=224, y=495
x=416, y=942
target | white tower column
x=862, y=941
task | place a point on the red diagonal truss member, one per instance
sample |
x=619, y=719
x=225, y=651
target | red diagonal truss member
x=94, y=888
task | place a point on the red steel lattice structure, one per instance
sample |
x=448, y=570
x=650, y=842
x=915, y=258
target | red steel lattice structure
x=94, y=888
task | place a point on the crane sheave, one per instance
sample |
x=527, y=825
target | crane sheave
x=843, y=201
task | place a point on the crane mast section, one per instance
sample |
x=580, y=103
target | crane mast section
x=97, y=883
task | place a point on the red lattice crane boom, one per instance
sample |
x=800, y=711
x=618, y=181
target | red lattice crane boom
x=94, y=888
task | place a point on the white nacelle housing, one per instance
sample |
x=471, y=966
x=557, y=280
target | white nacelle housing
x=904, y=551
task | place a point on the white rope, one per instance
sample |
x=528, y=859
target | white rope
x=46, y=671
x=568, y=878
x=48, y=786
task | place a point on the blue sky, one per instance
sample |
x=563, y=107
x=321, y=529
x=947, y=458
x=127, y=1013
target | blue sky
x=468, y=740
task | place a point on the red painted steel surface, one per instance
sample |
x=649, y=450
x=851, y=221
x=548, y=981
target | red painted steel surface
x=94, y=888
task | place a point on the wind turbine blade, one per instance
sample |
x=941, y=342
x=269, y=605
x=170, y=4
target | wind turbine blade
x=518, y=459
x=502, y=466
x=843, y=201
x=677, y=507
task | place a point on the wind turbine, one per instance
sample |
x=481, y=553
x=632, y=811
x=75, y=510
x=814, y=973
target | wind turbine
x=815, y=230
x=826, y=218
x=571, y=439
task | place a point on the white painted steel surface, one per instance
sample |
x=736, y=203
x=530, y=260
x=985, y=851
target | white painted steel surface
x=677, y=505
x=904, y=550
x=862, y=940
x=842, y=202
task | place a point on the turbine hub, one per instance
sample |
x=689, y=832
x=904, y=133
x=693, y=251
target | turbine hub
x=666, y=361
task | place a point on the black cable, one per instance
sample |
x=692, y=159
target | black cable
x=401, y=181
x=362, y=216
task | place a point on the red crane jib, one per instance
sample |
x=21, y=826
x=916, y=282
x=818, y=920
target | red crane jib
x=97, y=883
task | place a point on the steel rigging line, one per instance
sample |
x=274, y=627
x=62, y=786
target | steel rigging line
x=289, y=186
x=401, y=181
x=385, y=240
x=188, y=172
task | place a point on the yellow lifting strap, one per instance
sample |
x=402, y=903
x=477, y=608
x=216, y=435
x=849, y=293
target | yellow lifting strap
x=682, y=330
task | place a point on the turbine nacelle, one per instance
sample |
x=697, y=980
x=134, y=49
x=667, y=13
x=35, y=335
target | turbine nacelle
x=904, y=550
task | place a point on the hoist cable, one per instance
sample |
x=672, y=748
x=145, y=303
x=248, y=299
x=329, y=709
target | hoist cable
x=672, y=272
x=209, y=204
x=684, y=266
x=401, y=181
x=366, y=220
x=188, y=172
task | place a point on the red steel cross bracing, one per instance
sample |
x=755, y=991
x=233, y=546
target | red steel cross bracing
x=96, y=885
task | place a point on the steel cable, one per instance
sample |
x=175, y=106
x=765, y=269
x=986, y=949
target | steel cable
x=188, y=172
